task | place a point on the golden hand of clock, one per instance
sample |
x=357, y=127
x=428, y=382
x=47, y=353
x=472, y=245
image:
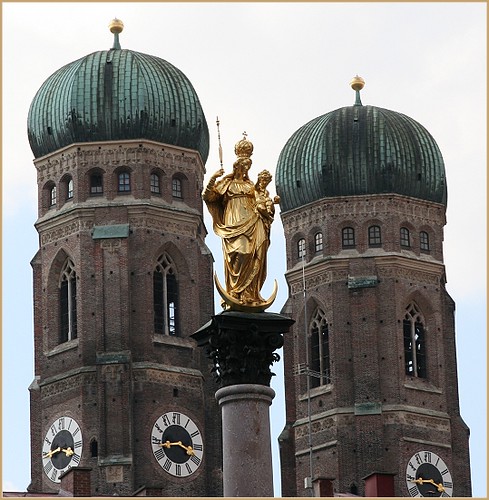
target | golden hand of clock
x=50, y=453
x=68, y=451
x=188, y=449
x=420, y=480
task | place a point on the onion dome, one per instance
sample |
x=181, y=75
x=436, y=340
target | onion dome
x=360, y=150
x=117, y=94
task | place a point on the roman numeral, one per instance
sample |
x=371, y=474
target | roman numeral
x=167, y=464
x=77, y=444
x=413, y=491
x=61, y=423
x=166, y=420
x=46, y=440
x=155, y=440
x=197, y=447
x=447, y=484
x=427, y=456
x=189, y=469
x=160, y=454
x=178, y=469
x=196, y=433
x=443, y=472
x=48, y=467
x=195, y=459
x=176, y=418
x=54, y=475
x=76, y=431
x=76, y=458
x=418, y=458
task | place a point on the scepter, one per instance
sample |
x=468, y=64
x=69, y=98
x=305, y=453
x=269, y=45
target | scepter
x=219, y=139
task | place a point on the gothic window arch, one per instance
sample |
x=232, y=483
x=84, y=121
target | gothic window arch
x=318, y=242
x=414, y=342
x=319, y=349
x=67, y=303
x=165, y=297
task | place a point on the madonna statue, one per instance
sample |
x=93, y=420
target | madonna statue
x=242, y=213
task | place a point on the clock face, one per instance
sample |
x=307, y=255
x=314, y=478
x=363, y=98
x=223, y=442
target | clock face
x=427, y=475
x=177, y=444
x=62, y=447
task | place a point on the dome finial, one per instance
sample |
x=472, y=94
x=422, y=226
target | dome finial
x=357, y=83
x=116, y=26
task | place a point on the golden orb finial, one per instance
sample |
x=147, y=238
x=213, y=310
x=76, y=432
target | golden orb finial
x=116, y=26
x=357, y=83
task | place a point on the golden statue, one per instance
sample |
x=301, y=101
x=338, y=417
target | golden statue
x=242, y=214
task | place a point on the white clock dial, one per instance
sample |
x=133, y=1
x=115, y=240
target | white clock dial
x=177, y=444
x=62, y=447
x=427, y=475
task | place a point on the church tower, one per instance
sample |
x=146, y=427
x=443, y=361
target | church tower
x=122, y=278
x=372, y=404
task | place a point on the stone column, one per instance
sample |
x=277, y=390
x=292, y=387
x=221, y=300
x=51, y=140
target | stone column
x=242, y=347
x=247, y=452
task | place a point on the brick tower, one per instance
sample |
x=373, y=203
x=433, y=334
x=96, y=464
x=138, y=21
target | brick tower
x=122, y=278
x=372, y=403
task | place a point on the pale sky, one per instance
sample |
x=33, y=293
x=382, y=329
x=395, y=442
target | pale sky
x=267, y=68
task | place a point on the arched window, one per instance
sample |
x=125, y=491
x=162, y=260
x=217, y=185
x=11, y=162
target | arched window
x=424, y=241
x=374, y=236
x=165, y=297
x=67, y=303
x=52, y=196
x=176, y=188
x=69, y=189
x=414, y=343
x=348, y=237
x=301, y=248
x=96, y=184
x=320, y=362
x=318, y=242
x=404, y=237
x=155, y=183
x=94, y=448
x=124, y=182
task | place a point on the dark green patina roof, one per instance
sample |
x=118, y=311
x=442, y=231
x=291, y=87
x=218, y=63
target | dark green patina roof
x=114, y=95
x=359, y=150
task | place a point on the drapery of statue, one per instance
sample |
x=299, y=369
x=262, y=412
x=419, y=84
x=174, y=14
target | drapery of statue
x=242, y=214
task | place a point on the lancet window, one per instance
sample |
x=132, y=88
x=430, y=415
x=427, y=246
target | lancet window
x=165, y=297
x=67, y=302
x=320, y=357
x=414, y=342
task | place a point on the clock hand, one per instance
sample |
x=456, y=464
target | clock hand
x=68, y=451
x=420, y=480
x=50, y=453
x=188, y=449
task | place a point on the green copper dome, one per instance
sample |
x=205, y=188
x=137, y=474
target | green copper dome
x=360, y=150
x=114, y=95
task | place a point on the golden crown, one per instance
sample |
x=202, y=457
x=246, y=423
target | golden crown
x=243, y=148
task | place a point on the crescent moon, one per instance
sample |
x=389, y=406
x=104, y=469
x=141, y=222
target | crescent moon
x=234, y=305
